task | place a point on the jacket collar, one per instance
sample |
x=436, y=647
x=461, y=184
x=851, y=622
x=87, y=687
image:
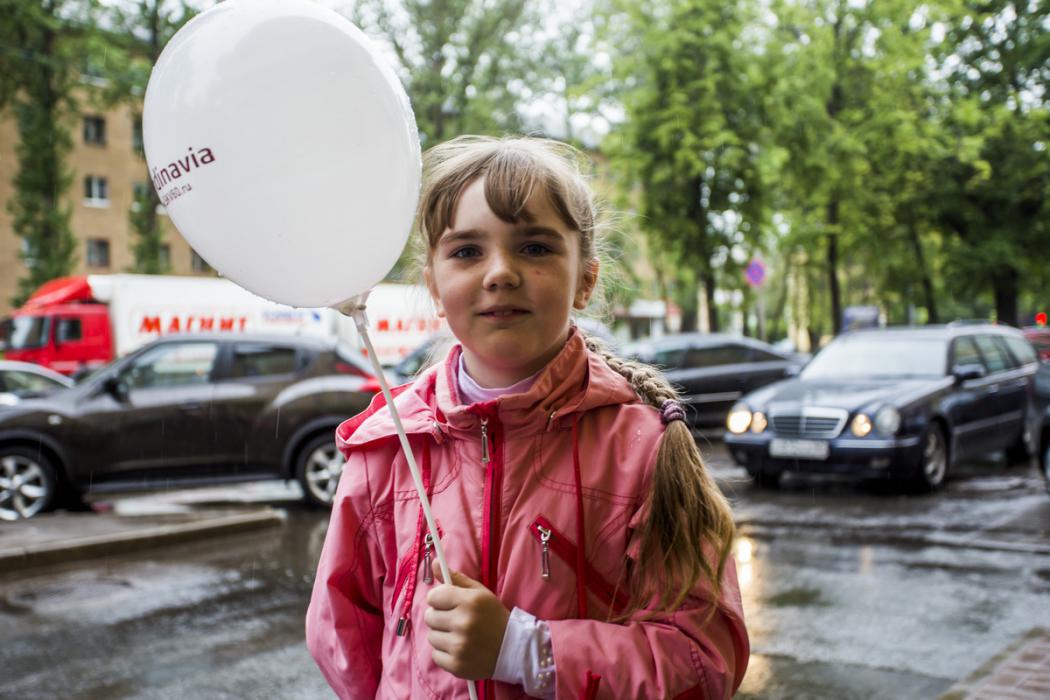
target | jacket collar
x=576, y=380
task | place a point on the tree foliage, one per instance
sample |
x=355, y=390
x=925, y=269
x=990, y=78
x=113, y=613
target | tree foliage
x=692, y=137
x=38, y=84
x=140, y=31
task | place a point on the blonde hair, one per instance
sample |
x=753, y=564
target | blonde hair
x=686, y=511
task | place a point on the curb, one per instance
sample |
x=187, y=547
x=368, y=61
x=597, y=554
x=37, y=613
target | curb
x=18, y=558
x=977, y=540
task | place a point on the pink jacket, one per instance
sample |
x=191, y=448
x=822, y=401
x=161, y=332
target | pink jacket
x=574, y=453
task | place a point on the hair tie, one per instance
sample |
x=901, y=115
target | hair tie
x=671, y=410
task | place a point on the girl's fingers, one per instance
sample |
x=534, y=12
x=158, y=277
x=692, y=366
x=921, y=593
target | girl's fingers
x=445, y=642
x=439, y=620
x=445, y=661
x=444, y=597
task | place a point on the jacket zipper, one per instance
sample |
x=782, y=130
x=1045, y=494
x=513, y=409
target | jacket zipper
x=551, y=539
x=492, y=460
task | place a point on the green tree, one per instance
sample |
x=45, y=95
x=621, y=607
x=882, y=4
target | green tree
x=54, y=40
x=693, y=138
x=996, y=177
x=141, y=29
x=462, y=61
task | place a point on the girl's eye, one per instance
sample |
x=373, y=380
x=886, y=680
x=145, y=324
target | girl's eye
x=535, y=249
x=467, y=251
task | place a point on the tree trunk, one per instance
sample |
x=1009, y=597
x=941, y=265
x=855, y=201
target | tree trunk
x=1005, y=283
x=833, y=266
x=924, y=274
x=712, y=310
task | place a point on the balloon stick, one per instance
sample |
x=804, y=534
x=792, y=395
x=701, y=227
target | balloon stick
x=355, y=309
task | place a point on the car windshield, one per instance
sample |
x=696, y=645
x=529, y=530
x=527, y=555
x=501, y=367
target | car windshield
x=28, y=332
x=875, y=356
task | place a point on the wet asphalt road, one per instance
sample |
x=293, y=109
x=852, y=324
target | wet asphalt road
x=850, y=592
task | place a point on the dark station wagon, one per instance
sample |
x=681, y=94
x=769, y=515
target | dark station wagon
x=187, y=410
x=899, y=403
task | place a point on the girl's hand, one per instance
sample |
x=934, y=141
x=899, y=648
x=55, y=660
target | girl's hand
x=466, y=622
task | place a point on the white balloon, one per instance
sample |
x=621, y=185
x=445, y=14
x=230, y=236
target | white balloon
x=284, y=149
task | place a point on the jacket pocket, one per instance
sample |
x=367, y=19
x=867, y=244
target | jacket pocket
x=553, y=541
x=408, y=567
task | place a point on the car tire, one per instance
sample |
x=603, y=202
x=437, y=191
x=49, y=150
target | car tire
x=933, y=464
x=27, y=483
x=766, y=480
x=1020, y=453
x=318, y=469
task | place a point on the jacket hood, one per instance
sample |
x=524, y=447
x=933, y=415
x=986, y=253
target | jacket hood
x=575, y=381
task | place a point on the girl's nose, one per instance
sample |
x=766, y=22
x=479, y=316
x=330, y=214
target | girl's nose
x=501, y=272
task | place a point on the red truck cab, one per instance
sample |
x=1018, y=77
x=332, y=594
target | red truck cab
x=62, y=327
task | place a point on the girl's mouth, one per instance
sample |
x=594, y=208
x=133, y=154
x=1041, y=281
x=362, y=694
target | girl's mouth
x=503, y=313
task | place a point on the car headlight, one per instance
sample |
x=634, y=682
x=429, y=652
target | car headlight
x=887, y=421
x=758, y=422
x=861, y=425
x=739, y=419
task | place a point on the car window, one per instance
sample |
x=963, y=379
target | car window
x=29, y=332
x=172, y=365
x=666, y=358
x=759, y=355
x=964, y=352
x=714, y=355
x=877, y=355
x=67, y=330
x=994, y=356
x=1021, y=349
x=28, y=383
x=262, y=360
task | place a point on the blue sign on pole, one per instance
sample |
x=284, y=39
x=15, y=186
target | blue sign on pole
x=755, y=273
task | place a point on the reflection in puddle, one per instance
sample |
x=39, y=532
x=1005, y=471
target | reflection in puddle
x=743, y=552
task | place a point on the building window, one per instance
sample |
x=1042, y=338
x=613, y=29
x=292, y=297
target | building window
x=140, y=191
x=136, y=134
x=97, y=252
x=95, y=131
x=96, y=191
x=197, y=263
x=164, y=256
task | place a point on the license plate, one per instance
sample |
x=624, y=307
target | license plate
x=799, y=449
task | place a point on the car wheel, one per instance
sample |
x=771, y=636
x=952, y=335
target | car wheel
x=27, y=483
x=318, y=469
x=1020, y=453
x=933, y=467
x=766, y=480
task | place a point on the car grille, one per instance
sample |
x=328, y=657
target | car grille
x=810, y=423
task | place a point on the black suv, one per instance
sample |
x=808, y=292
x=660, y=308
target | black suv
x=894, y=403
x=183, y=411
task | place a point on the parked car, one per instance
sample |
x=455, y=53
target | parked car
x=897, y=403
x=25, y=380
x=713, y=370
x=187, y=410
x=1039, y=337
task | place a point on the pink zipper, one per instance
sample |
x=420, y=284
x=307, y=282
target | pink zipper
x=565, y=550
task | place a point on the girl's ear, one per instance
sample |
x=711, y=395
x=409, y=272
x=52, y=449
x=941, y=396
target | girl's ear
x=585, y=288
x=428, y=277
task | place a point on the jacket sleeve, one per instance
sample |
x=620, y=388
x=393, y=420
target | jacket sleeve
x=344, y=623
x=692, y=653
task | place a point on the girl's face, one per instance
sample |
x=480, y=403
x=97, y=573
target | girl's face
x=507, y=289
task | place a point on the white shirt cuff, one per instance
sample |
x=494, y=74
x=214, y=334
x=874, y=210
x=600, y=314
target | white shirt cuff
x=526, y=657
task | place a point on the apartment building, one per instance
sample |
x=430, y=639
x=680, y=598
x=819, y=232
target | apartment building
x=108, y=171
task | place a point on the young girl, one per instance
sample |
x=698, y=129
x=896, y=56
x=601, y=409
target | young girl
x=588, y=543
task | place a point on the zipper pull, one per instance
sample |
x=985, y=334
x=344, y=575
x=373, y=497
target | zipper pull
x=545, y=555
x=485, y=441
x=428, y=573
